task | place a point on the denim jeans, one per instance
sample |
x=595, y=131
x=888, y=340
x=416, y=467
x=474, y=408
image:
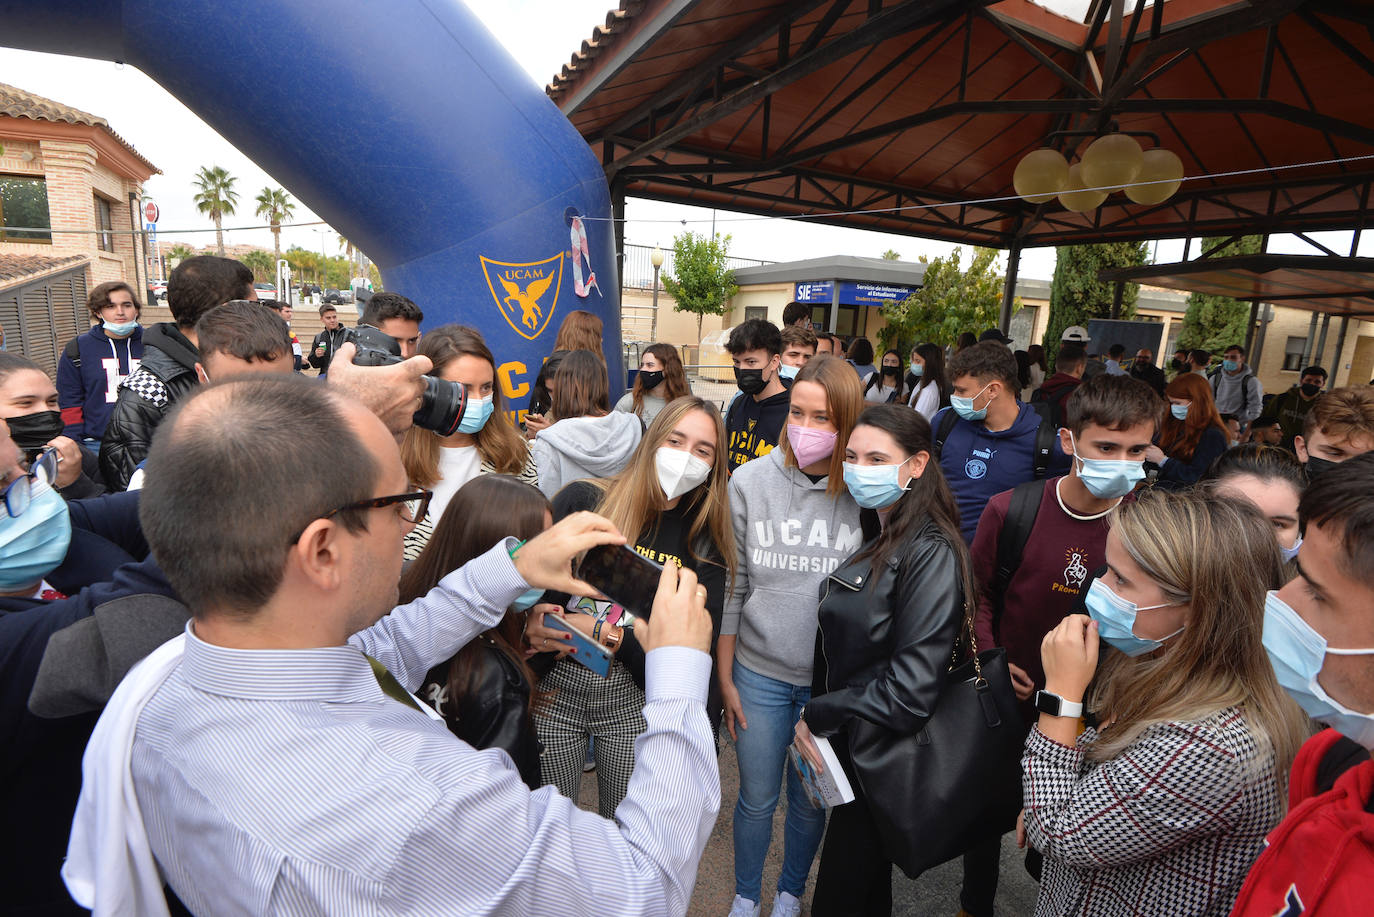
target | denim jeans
x=771, y=708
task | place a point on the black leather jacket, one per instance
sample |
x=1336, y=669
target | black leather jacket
x=167, y=373
x=494, y=713
x=886, y=637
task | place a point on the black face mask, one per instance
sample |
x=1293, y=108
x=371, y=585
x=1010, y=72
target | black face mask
x=31, y=432
x=1310, y=390
x=1141, y=364
x=891, y=370
x=1176, y=364
x=1316, y=466
x=650, y=378
x=750, y=381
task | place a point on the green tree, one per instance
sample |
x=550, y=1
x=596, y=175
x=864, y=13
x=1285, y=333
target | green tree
x=215, y=196
x=1076, y=293
x=891, y=255
x=1214, y=323
x=701, y=281
x=180, y=252
x=276, y=206
x=949, y=302
x=262, y=264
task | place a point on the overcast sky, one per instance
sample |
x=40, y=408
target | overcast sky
x=543, y=34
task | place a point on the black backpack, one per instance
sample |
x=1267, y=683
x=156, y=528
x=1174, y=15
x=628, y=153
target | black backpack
x=1011, y=541
x=73, y=351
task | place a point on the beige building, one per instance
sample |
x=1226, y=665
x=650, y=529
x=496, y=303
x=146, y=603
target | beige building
x=70, y=195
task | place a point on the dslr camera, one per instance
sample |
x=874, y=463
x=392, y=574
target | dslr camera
x=441, y=406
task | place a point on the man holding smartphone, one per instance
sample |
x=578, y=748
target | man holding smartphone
x=298, y=638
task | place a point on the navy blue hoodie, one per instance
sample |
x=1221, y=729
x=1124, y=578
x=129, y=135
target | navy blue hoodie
x=86, y=393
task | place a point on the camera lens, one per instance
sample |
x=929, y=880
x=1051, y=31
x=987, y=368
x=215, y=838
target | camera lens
x=441, y=406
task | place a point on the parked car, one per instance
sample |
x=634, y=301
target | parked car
x=157, y=290
x=333, y=297
x=265, y=290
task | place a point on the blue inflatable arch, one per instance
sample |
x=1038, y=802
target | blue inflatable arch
x=406, y=126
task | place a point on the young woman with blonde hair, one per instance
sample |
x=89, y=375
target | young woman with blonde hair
x=671, y=502
x=1162, y=804
x=794, y=523
x=486, y=442
x=660, y=379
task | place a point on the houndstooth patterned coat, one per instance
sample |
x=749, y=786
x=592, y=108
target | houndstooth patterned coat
x=1169, y=826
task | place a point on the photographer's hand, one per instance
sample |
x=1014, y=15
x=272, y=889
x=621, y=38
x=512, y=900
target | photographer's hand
x=545, y=561
x=391, y=392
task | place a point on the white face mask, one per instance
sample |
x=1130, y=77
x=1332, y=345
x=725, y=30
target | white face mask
x=679, y=472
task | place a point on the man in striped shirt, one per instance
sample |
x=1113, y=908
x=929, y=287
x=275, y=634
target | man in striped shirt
x=279, y=767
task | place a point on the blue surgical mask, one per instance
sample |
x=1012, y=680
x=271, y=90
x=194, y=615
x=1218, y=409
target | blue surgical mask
x=1180, y=411
x=964, y=406
x=1297, y=653
x=121, y=329
x=788, y=372
x=874, y=486
x=1108, y=479
x=1290, y=553
x=1230, y=365
x=527, y=600
x=1115, y=619
x=35, y=542
x=918, y=370
x=475, y=415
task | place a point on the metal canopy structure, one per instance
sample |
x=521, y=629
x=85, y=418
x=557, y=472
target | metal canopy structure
x=1320, y=283
x=892, y=115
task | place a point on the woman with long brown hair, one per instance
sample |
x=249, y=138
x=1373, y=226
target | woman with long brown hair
x=586, y=439
x=671, y=502
x=889, y=621
x=486, y=442
x=485, y=692
x=1192, y=435
x=580, y=331
x=660, y=379
x=794, y=523
x=1162, y=804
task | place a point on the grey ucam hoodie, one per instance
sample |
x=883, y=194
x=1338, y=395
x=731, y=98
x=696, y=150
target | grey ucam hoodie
x=585, y=447
x=790, y=535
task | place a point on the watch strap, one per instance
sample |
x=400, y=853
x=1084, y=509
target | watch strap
x=1055, y=705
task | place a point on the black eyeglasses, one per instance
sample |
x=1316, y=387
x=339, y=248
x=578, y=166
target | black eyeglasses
x=414, y=505
x=19, y=494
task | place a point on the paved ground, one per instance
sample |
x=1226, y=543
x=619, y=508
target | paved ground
x=932, y=895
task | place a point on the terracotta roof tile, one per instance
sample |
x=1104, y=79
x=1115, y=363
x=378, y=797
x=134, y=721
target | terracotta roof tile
x=15, y=268
x=20, y=103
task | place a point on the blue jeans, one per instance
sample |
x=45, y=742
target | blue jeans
x=771, y=708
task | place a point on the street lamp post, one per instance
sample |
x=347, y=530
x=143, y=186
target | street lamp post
x=656, y=257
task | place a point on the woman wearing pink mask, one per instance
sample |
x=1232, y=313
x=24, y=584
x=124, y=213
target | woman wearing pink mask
x=794, y=523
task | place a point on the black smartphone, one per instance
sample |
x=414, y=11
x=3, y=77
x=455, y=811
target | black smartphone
x=623, y=576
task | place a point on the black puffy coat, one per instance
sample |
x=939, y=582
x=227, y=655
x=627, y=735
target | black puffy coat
x=886, y=636
x=167, y=373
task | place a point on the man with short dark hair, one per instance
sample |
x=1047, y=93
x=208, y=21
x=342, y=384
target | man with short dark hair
x=1266, y=431
x=328, y=341
x=825, y=344
x=1115, y=353
x=1145, y=370
x=1198, y=361
x=1068, y=375
x=168, y=369
x=987, y=441
x=1290, y=409
x=754, y=420
x=796, y=314
x=241, y=338
x=1319, y=634
x=1339, y=427
x=396, y=316
x=1236, y=389
x=286, y=704
x=798, y=347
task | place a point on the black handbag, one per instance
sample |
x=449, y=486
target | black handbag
x=957, y=782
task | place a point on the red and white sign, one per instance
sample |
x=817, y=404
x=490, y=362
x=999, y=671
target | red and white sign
x=150, y=212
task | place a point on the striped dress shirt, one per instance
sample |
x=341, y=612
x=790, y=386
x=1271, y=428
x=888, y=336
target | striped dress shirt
x=286, y=782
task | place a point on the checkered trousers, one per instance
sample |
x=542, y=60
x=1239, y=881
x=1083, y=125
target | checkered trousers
x=1170, y=826
x=585, y=705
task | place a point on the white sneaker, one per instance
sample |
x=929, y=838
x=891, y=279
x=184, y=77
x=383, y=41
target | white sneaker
x=743, y=907
x=784, y=905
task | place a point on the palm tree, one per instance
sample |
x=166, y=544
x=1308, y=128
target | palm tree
x=215, y=195
x=276, y=206
x=262, y=265
x=352, y=254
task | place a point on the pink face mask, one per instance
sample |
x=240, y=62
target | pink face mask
x=810, y=446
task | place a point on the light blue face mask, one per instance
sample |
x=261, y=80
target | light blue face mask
x=1108, y=479
x=1115, y=619
x=1230, y=365
x=875, y=486
x=121, y=329
x=1180, y=411
x=788, y=372
x=918, y=370
x=475, y=415
x=1290, y=553
x=527, y=600
x=964, y=406
x=1297, y=653
x=35, y=542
